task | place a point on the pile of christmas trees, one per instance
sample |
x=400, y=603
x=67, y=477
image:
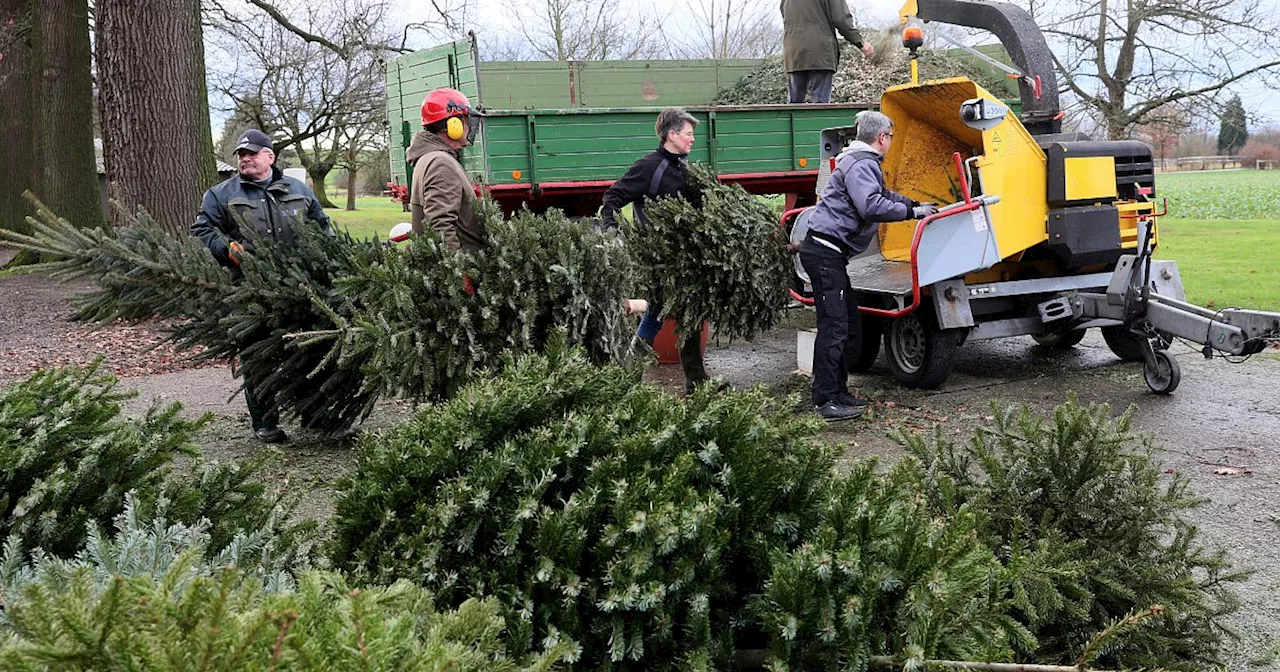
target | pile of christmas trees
x=861, y=80
x=563, y=510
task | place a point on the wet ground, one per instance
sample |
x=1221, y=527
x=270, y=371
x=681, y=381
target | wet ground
x=1222, y=415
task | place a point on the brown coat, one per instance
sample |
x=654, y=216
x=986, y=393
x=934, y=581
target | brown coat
x=808, y=33
x=442, y=195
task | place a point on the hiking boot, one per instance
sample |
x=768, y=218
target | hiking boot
x=833, y=412
x=271, y=435
x=846, y=399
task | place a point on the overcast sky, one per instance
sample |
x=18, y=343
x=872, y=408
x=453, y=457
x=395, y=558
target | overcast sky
x=492, y=16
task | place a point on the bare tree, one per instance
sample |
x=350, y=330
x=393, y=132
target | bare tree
x=505, y=47
x=447, y=17
x=1163, y=129
x=587, y=30
x=362, y=144
x=315, y=82
x=731, y=29
x=1124, y=59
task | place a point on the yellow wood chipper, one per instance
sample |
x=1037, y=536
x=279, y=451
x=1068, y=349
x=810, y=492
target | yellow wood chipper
x=1047, y=233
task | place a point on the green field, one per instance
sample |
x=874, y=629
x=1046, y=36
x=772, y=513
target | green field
x=1221, y=194
x=1225, y=263
x=1224, y=232
x=374, y=215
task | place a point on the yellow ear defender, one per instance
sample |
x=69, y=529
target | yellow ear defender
x=454, y=128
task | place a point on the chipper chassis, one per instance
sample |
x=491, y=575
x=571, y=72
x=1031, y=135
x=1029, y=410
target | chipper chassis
x=1139, y=306
x=1050, y=233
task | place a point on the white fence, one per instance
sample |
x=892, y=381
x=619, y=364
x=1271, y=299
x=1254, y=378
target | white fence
x=1199, y=163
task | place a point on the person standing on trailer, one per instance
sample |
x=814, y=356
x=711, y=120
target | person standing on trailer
x=847, y=216
x=810, y=50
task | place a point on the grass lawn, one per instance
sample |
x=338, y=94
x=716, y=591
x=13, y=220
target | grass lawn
x=1225, y=263
x=374, y=215
x=1221, y=194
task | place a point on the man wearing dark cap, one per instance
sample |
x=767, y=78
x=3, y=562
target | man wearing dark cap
x=274, y=205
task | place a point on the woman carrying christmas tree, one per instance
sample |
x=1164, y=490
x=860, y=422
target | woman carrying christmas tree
x=662, y=172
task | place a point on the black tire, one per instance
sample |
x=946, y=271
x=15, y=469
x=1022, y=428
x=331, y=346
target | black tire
x=1124, y=343
x=1062, y=340
x=860, y=357
x=919, y=354
x=1164, y=378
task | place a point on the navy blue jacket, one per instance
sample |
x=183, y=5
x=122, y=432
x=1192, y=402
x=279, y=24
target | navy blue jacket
x=856, y=200
x=275, y=212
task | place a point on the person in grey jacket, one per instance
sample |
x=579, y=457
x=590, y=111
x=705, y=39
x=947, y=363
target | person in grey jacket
x=848, y=213
x=260, y=197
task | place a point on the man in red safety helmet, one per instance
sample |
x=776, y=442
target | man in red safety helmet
x=441, y=195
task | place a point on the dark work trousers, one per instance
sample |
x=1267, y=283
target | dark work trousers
x=263, y=415
x=839, y=325
x=691, y=361
x=815, y=82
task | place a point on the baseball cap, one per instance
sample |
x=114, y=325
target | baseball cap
x=254, y=141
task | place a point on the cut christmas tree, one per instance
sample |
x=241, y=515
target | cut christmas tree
x=331, y=324
x=723, y=260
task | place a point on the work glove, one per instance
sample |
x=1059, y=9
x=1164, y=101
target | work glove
x=923, y=210
x=235, y=252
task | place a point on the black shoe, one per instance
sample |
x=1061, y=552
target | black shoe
x=834, y=412
x=271, y=435
x=846, y=399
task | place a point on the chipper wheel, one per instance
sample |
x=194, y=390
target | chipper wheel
x=1124, y=343
x=919, y=353
x=1164, y=377
x=860, y=357
x=1062, y=340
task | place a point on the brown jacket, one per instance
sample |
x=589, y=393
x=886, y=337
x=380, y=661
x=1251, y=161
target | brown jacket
x=808, y=33
x=442, y=195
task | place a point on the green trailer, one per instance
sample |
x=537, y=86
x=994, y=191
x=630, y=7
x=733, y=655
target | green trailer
x=559, y=133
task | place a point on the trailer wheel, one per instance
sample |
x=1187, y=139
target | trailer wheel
x=1124, y=343
x=1062, y=340
x=919, y=353
x=859, y=357
x=1164, y=377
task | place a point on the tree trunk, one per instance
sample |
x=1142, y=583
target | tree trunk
x=63, y=113
x=17, y=152
x=351, y=187
x=318, y=172
x=157, y=143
